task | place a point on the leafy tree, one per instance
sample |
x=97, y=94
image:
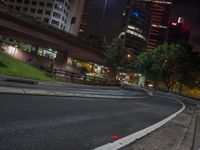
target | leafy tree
x=186, y=65
x=115, y=56
x=156, y=64
x=169, y=63
x=143, y=64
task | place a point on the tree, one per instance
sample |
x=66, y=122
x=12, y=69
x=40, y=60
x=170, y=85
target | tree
x=187, y=65
x=143, y=64
x=156, y=64
x=169, y=63
x=115, y=56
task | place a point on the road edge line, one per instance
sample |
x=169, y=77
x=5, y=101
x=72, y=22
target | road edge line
x=139, y=134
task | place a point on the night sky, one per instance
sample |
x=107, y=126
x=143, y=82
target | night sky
x=110, y=26
x=190, y=10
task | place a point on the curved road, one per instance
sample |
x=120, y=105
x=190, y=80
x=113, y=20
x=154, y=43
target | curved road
x=66, y=123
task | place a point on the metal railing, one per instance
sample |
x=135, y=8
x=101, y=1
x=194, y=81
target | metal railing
x=75, y=77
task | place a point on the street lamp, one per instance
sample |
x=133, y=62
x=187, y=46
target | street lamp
x=129, y=56
x=102, y=20
x=104, y=10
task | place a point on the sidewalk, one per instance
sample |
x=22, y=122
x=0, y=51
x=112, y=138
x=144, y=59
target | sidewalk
x=181, y=133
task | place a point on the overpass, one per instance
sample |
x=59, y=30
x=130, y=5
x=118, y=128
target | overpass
x=27, y=29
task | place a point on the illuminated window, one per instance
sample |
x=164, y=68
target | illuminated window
x=58, y=7
x=135, y=14
x=159, y=26
x=134, y=28
x=54, y=22
x=56, y=15
x=136, y=34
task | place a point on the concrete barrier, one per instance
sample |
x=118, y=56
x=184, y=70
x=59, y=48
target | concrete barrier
x=19, y=80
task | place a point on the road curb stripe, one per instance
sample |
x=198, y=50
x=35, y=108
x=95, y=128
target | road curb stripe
x=139, y=134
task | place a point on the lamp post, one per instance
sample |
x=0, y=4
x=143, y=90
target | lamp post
x=104, y=11
x=102, y=20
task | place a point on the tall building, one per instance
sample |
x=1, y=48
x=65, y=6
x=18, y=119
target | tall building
x=159, y=11
x=139, y=21
x=178, y=31
x=101, y=22
x=62, y=14
x=87, y=8
x=160, y=20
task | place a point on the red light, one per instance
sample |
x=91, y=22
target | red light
x=114, y=137
x=174, y=23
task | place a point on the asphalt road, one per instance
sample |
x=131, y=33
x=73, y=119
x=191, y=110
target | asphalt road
x=66, y=123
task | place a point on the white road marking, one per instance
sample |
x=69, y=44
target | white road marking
x=137, y=135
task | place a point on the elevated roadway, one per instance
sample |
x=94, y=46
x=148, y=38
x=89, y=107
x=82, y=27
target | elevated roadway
x=25, y=28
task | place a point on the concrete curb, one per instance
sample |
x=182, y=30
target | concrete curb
x=8, y=90
x=134, y=88
x=73, y=85
x=137, y=135
x=18, y=79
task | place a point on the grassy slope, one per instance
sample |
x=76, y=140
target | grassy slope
x=13, y=67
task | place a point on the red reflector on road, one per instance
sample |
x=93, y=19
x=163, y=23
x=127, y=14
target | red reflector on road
x=114, y=137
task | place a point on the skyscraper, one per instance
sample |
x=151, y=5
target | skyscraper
x=87, y=7
x=178, y=31
x=159, y=11
x=139, y=21
x=62, y=14
x=160, y=20
x=103, y=18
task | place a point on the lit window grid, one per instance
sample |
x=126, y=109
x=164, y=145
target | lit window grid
x=159, y=26
x=134, y=28
x=44, y=8
x=136, y=34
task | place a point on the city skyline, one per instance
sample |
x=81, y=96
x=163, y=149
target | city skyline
x=178, y=10
x=190, y=10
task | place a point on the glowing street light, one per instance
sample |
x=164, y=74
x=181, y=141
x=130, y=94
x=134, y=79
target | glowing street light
x=129, y=55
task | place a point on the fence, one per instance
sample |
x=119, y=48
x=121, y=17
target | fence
x=83, y=78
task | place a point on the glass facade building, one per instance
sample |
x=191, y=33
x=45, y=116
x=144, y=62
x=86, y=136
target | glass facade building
x=160, y=21
x=137, y=29
x=62, y=14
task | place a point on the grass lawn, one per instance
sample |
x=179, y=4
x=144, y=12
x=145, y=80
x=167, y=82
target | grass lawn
x=13, y=67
